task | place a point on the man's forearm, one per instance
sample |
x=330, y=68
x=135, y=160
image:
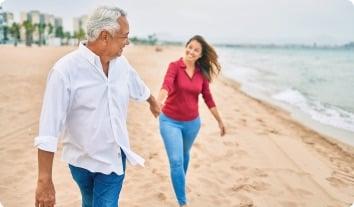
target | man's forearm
x=45, y=164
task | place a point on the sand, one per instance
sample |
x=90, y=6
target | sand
x=266, y=158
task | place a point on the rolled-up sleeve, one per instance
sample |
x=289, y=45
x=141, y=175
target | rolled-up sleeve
x=138, y=91
x=170, y=78
x=208, y=98
x=54, y=111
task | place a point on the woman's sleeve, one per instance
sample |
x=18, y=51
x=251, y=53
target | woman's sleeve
x=170, y=77
x=207, y=96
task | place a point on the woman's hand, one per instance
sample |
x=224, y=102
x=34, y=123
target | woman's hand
x=222, y=128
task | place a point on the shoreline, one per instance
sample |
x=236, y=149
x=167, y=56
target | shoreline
x=287, y=115
x=307, y=97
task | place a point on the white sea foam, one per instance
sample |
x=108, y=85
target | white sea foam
x=329, y=115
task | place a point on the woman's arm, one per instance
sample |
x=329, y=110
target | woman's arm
x=216, y=115
x=162, y=97
x=167, y=84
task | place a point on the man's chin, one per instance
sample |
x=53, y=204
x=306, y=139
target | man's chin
x=120, y=52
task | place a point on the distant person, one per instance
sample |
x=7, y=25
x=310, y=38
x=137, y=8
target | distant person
x=87, y=97
x=185, y=79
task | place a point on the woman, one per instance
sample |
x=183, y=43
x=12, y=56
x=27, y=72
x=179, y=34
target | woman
x=185, y=79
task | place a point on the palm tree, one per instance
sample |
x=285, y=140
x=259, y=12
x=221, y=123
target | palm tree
x=152, y=39
x=29, y=31
x=6, y=32
x=67, y=37
x=80, y=35
x=50, y=29
x=15, y=32
x=41, y=28
x=59, y=32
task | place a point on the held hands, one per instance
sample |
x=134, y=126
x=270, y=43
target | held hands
x=160, y=104
x=45, y=193
x=154, y=106
x=155, y=109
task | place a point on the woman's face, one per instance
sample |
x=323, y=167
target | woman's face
x=193, y=51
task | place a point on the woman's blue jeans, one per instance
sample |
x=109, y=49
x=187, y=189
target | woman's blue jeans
x=178, y=137
x=98, y=189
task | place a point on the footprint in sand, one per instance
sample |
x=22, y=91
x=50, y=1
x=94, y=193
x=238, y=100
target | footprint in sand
x=250, y=187
x=243, y=122
x=197, y=145
x=160, y=175
x=273, y=131
x=196, y=166
x=259, y=173
x=336, y=182
x=261, y=122
x=161, y=196
x=229, y=143
x=246, y=202
x=153, y=155
x=241, y=153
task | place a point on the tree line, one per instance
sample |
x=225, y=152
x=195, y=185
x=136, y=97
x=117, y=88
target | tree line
x=42, y=29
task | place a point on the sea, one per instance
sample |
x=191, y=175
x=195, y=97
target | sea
x=316, y=85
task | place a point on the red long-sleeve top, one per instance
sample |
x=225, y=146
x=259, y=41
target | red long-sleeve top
x=183, y=92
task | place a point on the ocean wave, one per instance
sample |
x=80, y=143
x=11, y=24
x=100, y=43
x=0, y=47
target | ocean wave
x=323, y=113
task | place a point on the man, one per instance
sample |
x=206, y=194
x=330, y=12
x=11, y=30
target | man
x=87, y=97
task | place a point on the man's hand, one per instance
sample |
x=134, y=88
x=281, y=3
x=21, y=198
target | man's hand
x=154, y=106
x=45, y=193
x=155, y=109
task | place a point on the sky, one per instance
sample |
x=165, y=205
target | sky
x=224, y=21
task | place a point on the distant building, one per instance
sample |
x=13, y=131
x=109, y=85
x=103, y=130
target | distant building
x=23, y=17
x=35, y=17
x=2, y=24
x=47, y=22
x=49, y=19
x=8, y=18
x=80, y=23
x=58, y=22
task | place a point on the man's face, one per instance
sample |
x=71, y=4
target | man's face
x=117, y=42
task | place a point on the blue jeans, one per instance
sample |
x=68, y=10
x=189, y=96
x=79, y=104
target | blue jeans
x=178, y=137
x=98, y=189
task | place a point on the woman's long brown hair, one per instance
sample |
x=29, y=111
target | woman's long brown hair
x=208, y=62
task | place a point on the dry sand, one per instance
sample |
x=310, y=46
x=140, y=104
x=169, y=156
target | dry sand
x=266, y=158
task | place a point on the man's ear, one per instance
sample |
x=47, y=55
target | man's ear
x=104, y=36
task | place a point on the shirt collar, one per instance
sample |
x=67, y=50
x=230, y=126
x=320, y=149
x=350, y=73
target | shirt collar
x=182, y=65
x=88, y=54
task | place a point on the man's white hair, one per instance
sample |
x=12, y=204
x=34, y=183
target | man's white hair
x=104, y=19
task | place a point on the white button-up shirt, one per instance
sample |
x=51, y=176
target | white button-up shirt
x=91, y=110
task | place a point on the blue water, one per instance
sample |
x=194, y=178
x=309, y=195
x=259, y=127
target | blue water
x=318, y=83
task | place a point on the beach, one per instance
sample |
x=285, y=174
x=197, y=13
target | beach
x=265, y=159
